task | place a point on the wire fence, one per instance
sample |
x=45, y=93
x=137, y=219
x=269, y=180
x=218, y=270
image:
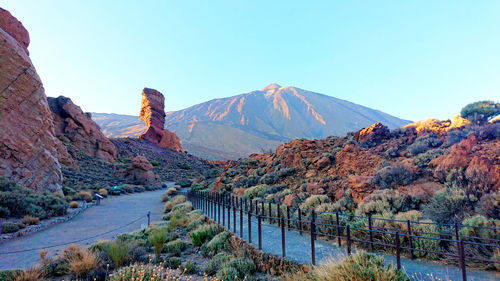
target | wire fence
x=414, y=239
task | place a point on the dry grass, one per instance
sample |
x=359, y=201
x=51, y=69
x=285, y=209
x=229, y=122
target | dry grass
x=173, y=202
x=103, y=192
x=81, y=261
x=73, y=204
x=30, y=220
x=31, y=274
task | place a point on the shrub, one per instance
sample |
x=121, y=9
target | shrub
x=384, y=201
x=31, y=274
x=158, y=237
x=144, y=272
x=215, y=263
x=346, y=203
x=155, y=163
x=392, y=152
x=237, y=267
x=482, y=230
x=314, y=201
x=4, y=213
x=81, y=261
x=189, y=267
x=197, y=187
x=30, y=220
x=424, y=143
x=204, y=233
x=269, y=178
x=174, y=201
x=362, y=266
x=73, y=205
x=219, y=242
x=103, y=192
x=118, y=252
x=423, y=159
x=85, y=195
x=174, y=262
x=479, y=112
x=10, y=227
x=256, y=191
x=184, y=183
x=388, y=175
x=446, y=206
x=177, y=246
x=489, y=205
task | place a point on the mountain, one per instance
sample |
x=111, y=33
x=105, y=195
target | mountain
x=234, y=127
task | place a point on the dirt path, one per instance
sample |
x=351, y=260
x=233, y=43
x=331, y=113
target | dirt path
x=115, y=215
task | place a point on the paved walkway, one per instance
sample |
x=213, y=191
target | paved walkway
x=298, y=248
x=113, y=213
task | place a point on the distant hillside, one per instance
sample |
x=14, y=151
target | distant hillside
x=237, y=126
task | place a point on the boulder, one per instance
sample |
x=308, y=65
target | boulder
x=373, y=134
x=74, y=126
x=29, y=149
x=153, y=113
x=140, y=172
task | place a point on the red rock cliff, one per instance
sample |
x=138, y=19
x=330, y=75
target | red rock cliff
x=76, y=127
x=29, y=150
x=153, y=113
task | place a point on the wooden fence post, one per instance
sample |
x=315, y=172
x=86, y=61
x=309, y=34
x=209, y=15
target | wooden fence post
x=241, y=217
x=370, y=230
x=283, y=250
x=348, y=234
x=234, y=200
x=270, y=212
x=249, y=215
x=259, y=230
x=228, y=202
x=461, y=254
x=313, y=250
x=288, y=217
x=398, y=251
x=278, y=214
x=300, y=221
x=410, y=239
x=338, y=228
x=223, y=210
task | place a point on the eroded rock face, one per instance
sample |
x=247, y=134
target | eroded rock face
x=14, y=28
x=153, y=113
x=373, y=134
x=29, y=150
x=76, y=127
x=140, y=172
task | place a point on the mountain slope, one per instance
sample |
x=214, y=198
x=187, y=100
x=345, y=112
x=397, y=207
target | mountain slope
x=257, y=121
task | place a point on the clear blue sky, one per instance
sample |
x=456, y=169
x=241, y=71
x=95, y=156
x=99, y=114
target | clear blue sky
x=412, y=59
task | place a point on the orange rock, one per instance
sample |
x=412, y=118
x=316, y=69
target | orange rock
x=289, y=199
x=360, y=186
x=14, y=28
x=374, y=133
x=140, y=172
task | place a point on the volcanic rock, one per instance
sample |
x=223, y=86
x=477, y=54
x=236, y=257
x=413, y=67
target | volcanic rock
x=14, y=28
x=373, y=134
x=140, y=172
x=29, y=150
x=76, y=127
x=153, y=113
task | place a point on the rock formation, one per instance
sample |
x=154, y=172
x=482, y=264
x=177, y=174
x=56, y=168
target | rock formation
x=140, y=172
x=153, y=113
x=29, y=150
x=373, y=134
x=76, y=127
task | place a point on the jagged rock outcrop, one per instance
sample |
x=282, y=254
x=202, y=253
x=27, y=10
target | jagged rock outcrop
x=373, y=134
x=29, y=150
x=76, y=127
x=153, y=113
x=14, y=28
x=140, y=172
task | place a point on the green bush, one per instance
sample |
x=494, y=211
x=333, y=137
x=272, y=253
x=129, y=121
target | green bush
x=177, y=246
x=155, y=163
x=197, y=187
x=174, y=201
x=158, y=237
x=174, y=262
x=422, y=160
x=184, y=183
x=489, y=205
x=219, y=242
x=314, y=201
x=424, y=143
x=10, y=275
x=118, y=252
x=10, y=227
x=256, y=191
x=388, y=175
x=215, y=263
x=269, y=178
x=237, y=267
x=346, y=203
x=446, y=206
x=189, y=267
x=204, y=233
x=384, y=201
x=17, y=202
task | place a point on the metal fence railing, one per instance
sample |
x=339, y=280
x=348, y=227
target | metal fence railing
x=405, y=238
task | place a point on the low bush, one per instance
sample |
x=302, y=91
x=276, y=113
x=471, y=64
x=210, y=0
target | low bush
x=422, y=160
x=73, y=205
x=174, y=262
x=236, y=268
x=189, y=267
x=10, y=227
x=85, y=195
x=384, y=201
x=174, y=201
x=256, y=191
x=118, y=252
x=269, y=178
x=215, y=263
x=346, y=203
x=103, y=192
x=446, y=206
x=314, y=201
x=489, y=205
x=424, y=143
x=176, y=247
x=184, y=183
x=81, y=261
x=30, y=220
x=204, y=233
x=197, y=187
x=362, y=266
x=144, y=272
x=387, y=176
x=219, y=242
x=158, y=237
